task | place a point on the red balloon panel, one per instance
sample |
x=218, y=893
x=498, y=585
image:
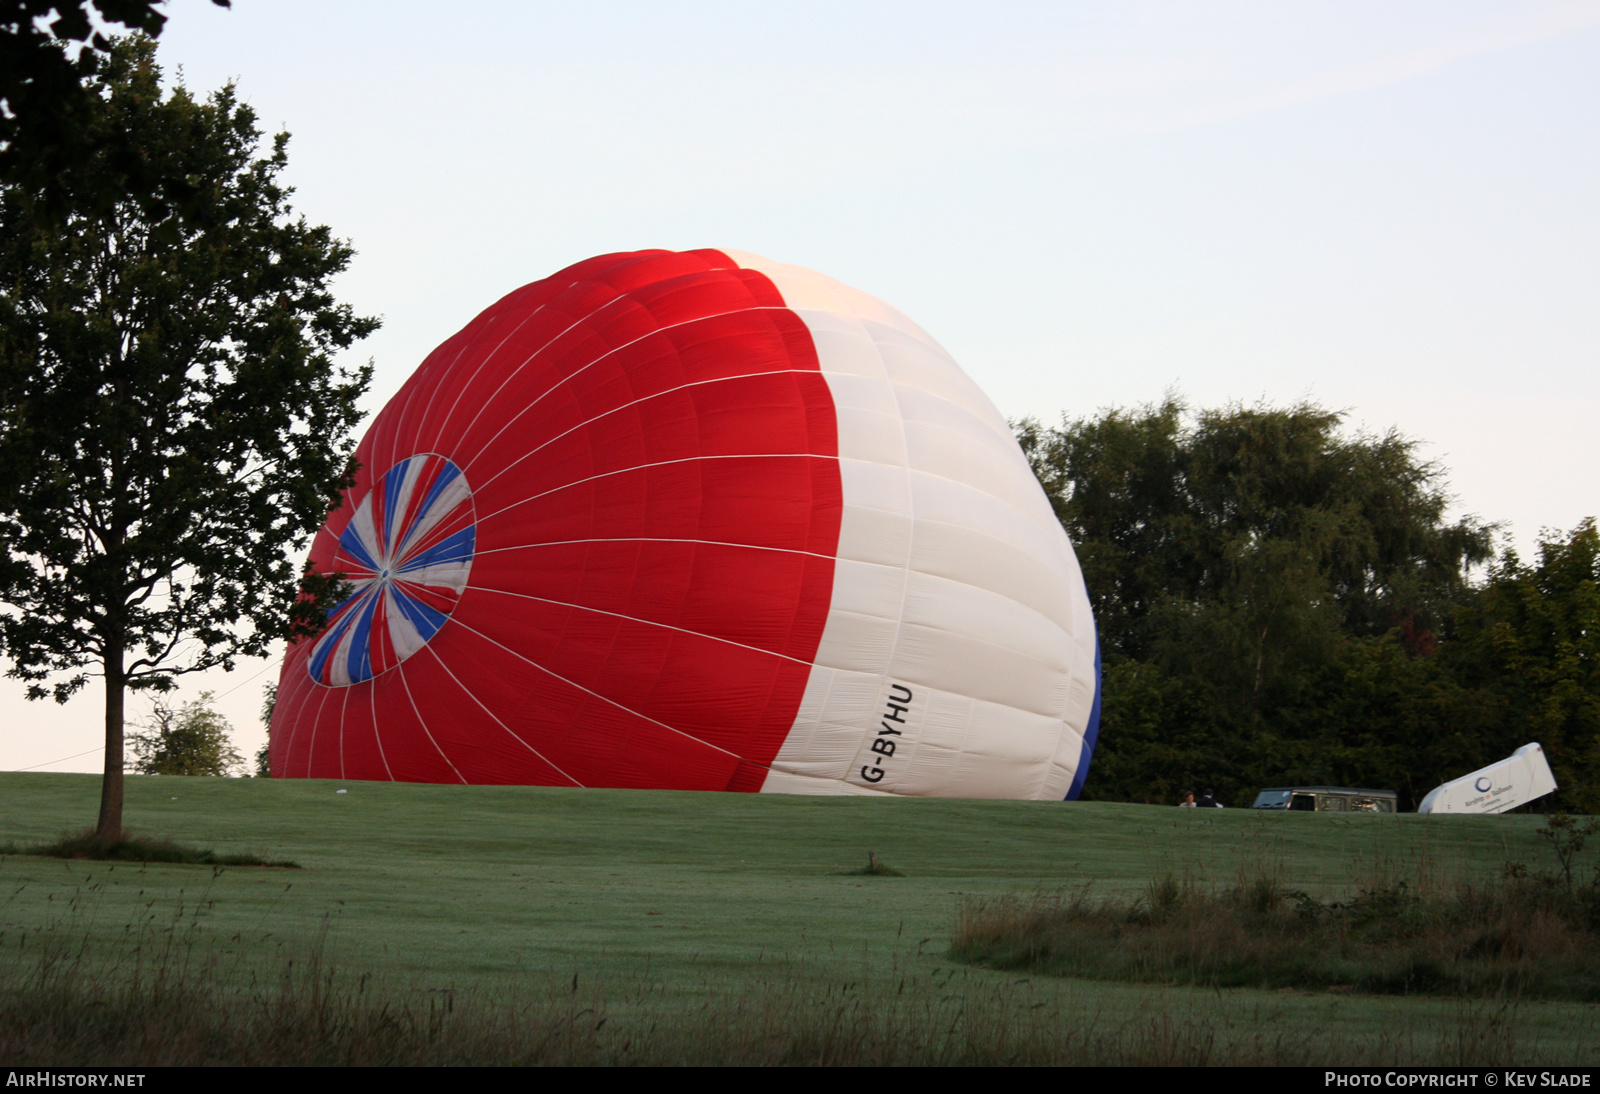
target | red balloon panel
x=651, y=452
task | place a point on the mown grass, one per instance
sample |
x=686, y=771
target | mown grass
x=1517, y=934
x=700, y=928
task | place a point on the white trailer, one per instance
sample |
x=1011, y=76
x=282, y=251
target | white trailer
x=1496, y=788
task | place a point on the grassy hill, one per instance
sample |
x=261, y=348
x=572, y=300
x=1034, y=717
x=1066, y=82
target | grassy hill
x=664, y=902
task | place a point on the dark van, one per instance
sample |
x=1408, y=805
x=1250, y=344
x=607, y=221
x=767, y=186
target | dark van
x=1328, y=799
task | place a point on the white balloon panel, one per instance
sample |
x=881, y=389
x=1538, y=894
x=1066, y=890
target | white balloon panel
x=958, y=657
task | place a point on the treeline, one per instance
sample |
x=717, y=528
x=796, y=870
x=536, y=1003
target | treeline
x=1281, y=603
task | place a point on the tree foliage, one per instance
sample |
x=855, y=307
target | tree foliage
x=1270, y=593
x=189, y=740
x=172, y=422
x=1271, y=516
x=263, y=757
x=1529, y=646
x=47, y=50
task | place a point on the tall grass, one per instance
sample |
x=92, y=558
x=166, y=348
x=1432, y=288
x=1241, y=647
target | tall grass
x=309, y=1014
x=171, y=996
x=1518, y=936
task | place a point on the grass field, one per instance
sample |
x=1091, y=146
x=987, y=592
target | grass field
x=687, y=910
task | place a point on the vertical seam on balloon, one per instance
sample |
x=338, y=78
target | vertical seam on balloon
x=908, y=569
x=468, y=464
x=833, y=676
x=344, y=708
x=1071, y=675
x=625, y=406
x=423, y=722
x=377, y=738
x=911, y=531
x=611, y=646
x=637, y=619
x=311, y=748
x=647, y=466
x=607, y=699
x=1091, y=723
x=838, y=461
x=514, y=735
x=288, y=746
x=282, y=704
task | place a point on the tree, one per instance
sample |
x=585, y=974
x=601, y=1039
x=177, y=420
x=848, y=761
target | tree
x=269, y=701
x=190, y=740
x=172, y=422
x=1246, y=564
x=1239, y=504
x=1530, y=646
x=44, y=102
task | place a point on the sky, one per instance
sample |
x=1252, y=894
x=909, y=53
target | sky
x=1390, y=210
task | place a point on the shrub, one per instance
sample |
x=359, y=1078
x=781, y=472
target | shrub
x=1529, y=934
x=191, y=740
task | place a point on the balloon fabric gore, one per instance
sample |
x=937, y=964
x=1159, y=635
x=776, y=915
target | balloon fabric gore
x=696, y=520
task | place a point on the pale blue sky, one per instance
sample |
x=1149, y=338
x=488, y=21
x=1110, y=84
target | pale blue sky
x=1391, y=209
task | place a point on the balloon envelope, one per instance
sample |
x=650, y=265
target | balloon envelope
x=695, y=520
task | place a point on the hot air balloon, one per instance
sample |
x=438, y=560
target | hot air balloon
x=695, y=520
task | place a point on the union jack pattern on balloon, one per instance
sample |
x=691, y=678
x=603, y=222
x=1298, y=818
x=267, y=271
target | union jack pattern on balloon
x=406, y=553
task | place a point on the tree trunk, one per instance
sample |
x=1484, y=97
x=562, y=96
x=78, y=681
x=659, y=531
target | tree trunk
x=110, y=826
